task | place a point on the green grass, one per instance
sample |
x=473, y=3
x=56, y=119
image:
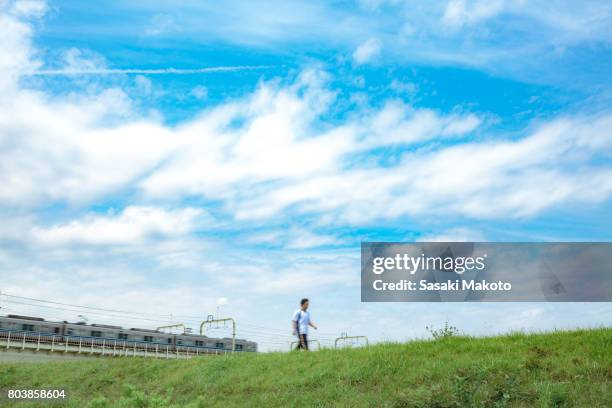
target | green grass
x=543, y=370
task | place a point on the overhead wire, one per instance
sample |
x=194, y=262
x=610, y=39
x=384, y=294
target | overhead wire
x=263, y=334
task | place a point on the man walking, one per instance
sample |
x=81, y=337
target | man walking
x=300, y=322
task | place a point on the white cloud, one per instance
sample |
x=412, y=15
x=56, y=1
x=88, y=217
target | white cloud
x=28, y=8
x=479, y=179
x=87, y=68
x=457, y=234
x=463, y=12
x=133, y=226
x=161, y=24
x=143, y=84
x=82, y=159
x=199, y=92
x=16, y=52
x=528, y=37
x=461, y=125
x=367, y=51
x=408, y=88
x=294, y=238
x=301, y=239
x=271, y=153
x=77, y=60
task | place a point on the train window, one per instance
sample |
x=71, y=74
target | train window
x=180, y=341
x=169, y=341
x=238, y=346
x=69, y=332
x=219, y=345
x=148, y=338
x=27, y=327
x=122, y=336
x=199, y=343
x=96, y=333
x=56, y=330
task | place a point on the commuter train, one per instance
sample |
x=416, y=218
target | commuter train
x=103, y=332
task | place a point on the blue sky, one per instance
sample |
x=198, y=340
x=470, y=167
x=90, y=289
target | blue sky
x=173, y=157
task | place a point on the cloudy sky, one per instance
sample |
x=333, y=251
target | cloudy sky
x=170, y=159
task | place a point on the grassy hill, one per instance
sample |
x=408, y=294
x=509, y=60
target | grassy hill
x=554, y=369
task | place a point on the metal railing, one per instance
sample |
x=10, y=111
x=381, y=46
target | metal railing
x=345, y=337
x=36, y=341
x=295, y=343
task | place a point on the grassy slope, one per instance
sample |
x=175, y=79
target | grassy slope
x=555, y=369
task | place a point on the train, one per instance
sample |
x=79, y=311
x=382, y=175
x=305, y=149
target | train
x=108, y=333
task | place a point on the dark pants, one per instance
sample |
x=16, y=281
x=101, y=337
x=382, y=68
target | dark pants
x=303, y=342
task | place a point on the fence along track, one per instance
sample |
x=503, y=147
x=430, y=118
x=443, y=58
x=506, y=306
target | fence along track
x=93, y=346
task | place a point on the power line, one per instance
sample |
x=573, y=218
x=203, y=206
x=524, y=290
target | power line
x=94, y=310
x=167, y=318
x=287, y=337
x=82, y=307
x=262, y=334
x=282, y=330
x=80, y=311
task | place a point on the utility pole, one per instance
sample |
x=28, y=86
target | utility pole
x=210, y=320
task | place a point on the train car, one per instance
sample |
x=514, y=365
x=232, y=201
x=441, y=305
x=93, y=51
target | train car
x=30, y=324
x=150, y=336
x=109, y=334
x=225, y=343
x=95, y=330
x=194, y=340
x=246, y=345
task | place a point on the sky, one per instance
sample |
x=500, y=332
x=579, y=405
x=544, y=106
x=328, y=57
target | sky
x=172, y=160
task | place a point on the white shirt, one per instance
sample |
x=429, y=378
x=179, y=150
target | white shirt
x=303, y=318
